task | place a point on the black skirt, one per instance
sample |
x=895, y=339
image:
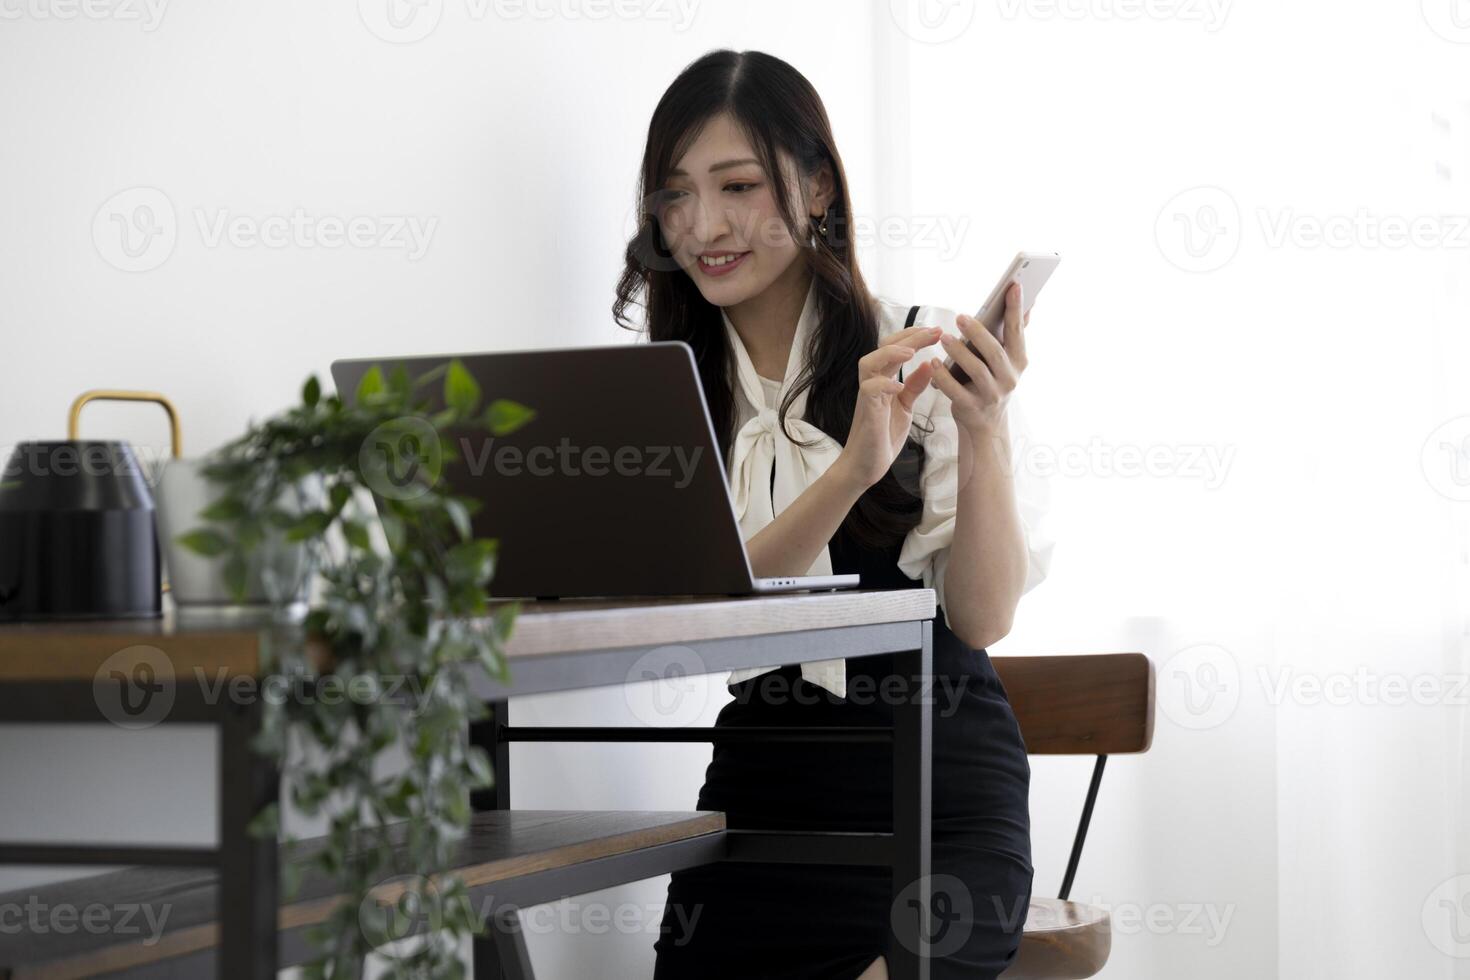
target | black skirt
x=760, y=921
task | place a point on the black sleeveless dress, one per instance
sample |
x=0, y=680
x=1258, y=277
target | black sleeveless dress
x=759, y=921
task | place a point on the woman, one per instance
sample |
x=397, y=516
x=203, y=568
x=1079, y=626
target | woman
x=814, y=387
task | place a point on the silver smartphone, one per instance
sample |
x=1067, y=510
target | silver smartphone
x=1031, y=270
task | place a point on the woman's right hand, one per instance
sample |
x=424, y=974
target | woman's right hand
x=885, y=405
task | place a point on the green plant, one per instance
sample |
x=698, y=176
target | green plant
x=403, y=617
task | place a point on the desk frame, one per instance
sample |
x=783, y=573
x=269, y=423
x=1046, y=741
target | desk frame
x=250, y=948
x=503, y=955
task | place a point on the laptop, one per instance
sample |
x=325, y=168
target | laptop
x=616, y=488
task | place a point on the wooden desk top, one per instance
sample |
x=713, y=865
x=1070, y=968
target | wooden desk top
x=75, y=650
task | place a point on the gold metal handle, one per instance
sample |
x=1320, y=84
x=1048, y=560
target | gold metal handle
x=111, y=395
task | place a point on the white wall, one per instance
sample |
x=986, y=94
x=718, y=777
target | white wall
x=1316, y=833
x=1262, y=836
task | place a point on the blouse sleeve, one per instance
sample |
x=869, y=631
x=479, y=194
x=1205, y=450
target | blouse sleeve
x=925, y=550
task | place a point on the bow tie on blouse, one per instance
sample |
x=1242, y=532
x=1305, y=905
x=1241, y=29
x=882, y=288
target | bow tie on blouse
x=760, y=445
x=768, y=470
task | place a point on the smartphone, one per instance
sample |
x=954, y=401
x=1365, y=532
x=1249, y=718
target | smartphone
x=1031, y=270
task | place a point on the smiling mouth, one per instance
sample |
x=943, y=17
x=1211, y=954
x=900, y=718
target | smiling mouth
x=722, y=264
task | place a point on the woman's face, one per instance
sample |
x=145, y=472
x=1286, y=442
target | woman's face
x=719, y=216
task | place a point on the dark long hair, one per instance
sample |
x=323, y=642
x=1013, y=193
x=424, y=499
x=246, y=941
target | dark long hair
x=779, y=112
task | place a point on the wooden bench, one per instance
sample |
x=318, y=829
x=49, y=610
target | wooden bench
x=511, y=859
x=1095, y=704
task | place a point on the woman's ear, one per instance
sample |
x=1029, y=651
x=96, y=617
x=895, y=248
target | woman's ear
x=821, y=190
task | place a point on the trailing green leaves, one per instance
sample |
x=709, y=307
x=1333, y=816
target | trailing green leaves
x=405, y=622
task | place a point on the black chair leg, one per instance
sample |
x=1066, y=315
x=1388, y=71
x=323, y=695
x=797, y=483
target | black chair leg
x=1081, y=838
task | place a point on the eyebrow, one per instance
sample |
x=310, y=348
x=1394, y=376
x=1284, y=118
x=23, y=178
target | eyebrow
x=723, y=165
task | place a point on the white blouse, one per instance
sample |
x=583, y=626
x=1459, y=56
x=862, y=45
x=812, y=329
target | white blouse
x=759, y=445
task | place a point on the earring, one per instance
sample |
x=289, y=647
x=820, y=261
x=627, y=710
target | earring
x=822, y=228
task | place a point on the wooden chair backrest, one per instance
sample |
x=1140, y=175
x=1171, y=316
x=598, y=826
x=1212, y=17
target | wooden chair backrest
x=1081, y=704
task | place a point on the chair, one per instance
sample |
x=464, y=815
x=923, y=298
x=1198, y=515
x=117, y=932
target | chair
x=1100, y=705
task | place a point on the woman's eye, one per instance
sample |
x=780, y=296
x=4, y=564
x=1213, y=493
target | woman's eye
x=740, y=187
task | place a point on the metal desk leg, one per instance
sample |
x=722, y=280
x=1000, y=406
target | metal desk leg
x=488, y=952
x=248, y=782
x=913, y=739
x=515, y=959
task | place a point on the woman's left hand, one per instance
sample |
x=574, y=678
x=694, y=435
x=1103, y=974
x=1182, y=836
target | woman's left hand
x=979, y=405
